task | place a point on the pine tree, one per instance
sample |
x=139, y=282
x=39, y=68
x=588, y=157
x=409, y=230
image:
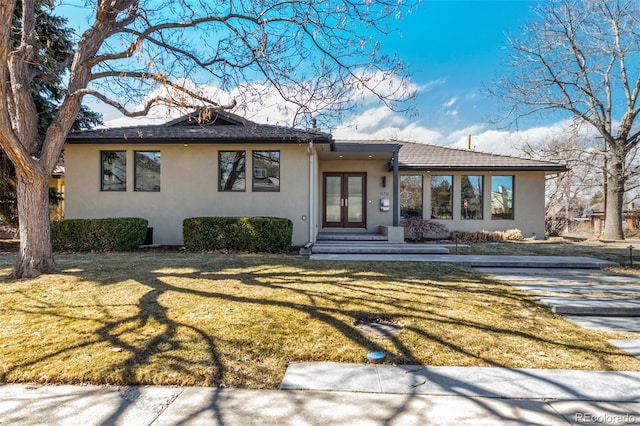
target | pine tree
x=55, y=47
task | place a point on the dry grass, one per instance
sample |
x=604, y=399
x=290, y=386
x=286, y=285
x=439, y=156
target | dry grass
x=616, y=251
x=209, y=319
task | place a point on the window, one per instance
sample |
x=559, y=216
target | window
x=471, y=196
x=441, y=197
x=114, y=171
x=266, y=171
x=147, y=171
x=502, y=197
x=231, y=165
x=410, y=196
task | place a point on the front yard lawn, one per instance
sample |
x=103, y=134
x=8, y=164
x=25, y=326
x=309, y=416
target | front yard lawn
x=238, y=320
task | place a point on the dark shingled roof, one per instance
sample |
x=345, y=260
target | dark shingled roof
x=419, y=156
x=218, y=127
x=225, y=127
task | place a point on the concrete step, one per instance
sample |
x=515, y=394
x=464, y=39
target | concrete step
x=533, y=271
x=350, y=236
x=593, y=306
x=571, y=287
x=606, y=323
x=372, y=247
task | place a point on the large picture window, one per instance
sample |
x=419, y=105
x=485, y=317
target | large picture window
x=502, y=197
x=441, y=197
x=471, y=197
x=114, y=170
x=411, y=196
x=266, y=171
x=232, y=170
x=147, y=171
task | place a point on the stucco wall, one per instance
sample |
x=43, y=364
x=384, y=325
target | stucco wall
x=528, y=199
x=189, y=187
x=375, y=170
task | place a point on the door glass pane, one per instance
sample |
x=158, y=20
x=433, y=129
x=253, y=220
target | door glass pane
x=334, y=184
x=355, y=199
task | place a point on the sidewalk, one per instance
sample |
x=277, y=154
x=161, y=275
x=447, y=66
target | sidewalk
x=477, y=261
x=378, y=395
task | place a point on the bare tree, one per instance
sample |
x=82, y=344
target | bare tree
x=580, y=57
x=567, y=193
x=314, y=53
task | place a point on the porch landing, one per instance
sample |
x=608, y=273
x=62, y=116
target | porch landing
x=368, y=243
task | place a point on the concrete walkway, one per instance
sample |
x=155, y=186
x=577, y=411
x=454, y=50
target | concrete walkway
x=478, y=260
x=592, y=299
x=353, y=394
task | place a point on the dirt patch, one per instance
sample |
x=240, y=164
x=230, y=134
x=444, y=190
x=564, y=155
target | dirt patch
x=380, y=327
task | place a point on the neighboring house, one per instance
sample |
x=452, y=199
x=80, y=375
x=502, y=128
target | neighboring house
x=56, y=210
x=229, y=166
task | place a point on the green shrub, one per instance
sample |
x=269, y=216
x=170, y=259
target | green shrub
x=117, y=234
x=252, y=234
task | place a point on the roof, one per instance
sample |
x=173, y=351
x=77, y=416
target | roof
x=425, y=157
x=201, y=127
x=225, y=127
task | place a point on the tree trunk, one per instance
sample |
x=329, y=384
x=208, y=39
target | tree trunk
x=36, y=256
x=615, y=201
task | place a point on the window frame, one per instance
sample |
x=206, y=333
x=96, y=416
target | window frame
x=253, y=171
x=451, y=192
x=480, y=187
x=103, y=188
x=421, y=185
x=503, y=216
x=135, y=171
x=220, y=171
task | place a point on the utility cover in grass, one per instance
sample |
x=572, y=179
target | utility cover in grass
x=380, y=327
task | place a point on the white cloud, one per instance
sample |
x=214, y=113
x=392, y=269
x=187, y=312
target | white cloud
x=411, y=132
x=507, y=142
x=451, y=102
x=263, y=104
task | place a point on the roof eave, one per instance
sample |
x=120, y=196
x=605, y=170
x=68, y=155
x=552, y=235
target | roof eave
x=551, y=169
x=204, y=141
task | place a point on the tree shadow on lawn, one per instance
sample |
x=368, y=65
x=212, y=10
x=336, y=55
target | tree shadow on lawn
x=240, y=323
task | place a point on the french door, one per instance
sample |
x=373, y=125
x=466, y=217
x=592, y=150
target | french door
x=344, y=200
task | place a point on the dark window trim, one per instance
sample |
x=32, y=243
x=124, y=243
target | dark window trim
x=513, y=198
x=220, y=189
x=253, y=178
x=421, y=176
x=135, y=173
x=482, y=198
x=451, y=196
x=101, y=168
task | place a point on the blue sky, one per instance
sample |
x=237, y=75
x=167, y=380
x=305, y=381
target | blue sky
x=454, y=49
x=457, y=47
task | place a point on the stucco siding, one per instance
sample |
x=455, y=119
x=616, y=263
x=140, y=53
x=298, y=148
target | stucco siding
x=375, y=170
x=189, y=187
x=528, y=204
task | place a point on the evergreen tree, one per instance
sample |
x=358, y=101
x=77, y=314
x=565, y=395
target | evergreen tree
x=55, y=46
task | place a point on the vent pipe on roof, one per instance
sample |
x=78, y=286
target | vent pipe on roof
x=469, y=143
x=314, y=125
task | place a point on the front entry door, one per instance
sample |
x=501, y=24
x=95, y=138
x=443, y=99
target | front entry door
x=344, y=200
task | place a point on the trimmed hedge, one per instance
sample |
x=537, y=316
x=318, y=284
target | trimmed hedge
x=117, y=234
x=252, y=234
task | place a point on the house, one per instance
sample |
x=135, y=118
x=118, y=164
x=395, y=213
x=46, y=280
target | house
x=225, y=165
x=56, y=186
